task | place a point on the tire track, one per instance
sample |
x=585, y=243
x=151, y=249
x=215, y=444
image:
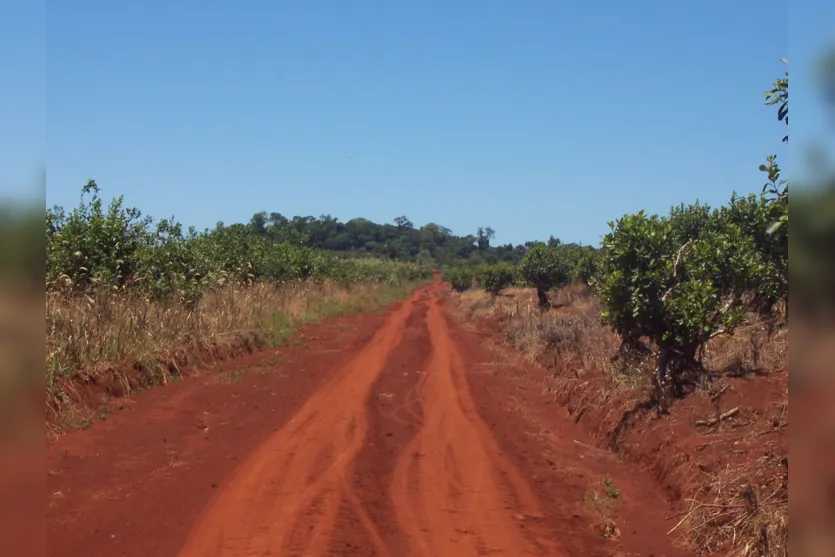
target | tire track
x=285, y=499
x=446, y=488
x=391, y=428
x=408, y=412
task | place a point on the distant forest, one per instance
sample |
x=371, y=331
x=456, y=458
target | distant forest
x=429, y=244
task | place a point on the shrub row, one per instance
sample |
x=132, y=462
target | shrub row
x=114, y=247
x=543, y=266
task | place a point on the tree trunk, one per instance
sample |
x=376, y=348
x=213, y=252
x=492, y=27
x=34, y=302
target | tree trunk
x=543, y=298
x=630, y=346
x=663, y=362
x=661, y=378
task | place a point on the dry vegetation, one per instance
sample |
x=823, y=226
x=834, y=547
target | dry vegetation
x=721, y=451
x=133, y=342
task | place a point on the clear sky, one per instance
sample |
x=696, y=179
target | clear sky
x=537, y=118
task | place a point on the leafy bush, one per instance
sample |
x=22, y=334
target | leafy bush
x=93, y=246
x=518, y=279
x=171, y=264
x=587, y=268
x=545, y=267
x=686, y=278
x=677, y=294
x=754, y=216
x=374, y=270
x=496, y=278
x=690, y=221
x=459, y=278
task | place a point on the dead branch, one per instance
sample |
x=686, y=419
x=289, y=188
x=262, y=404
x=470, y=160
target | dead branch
x=713, y=421
x=686, y=514
x=675, y=270
x=678, y=258
x=718, y=333
x=718, y=393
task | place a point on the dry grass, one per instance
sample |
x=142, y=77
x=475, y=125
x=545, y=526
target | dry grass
x=741, y=508
x=751, y=348
x=84, y=333
x=570, y=334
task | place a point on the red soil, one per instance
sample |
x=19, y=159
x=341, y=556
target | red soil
x=680, y=452
x=391, y=438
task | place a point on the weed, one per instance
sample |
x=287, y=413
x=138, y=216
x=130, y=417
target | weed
x=597, y=503
x=83, y=422
x=610, y=489
x=271, y=361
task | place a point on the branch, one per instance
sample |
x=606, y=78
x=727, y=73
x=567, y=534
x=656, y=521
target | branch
x=715, y=334
x=678, y=258
x=675, y=270
x=713, y=421
x=722, y=311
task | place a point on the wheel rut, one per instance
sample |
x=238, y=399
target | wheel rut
x=453, y=491
x=286, y=497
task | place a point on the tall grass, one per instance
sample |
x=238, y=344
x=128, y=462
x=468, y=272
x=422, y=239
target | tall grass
x=87, y=333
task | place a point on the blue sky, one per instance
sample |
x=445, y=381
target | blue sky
x=22, y=99
x=537, y=118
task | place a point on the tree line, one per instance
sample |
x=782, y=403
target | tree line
x=431, y=244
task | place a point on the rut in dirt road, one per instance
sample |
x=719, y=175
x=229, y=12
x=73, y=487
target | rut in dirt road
x=285, y=499
x=451, y=490
x=447, y=489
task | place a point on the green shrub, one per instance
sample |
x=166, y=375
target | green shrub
x=92, y=245
x=496, y=278
x=678, y=294
x=690, y=221
x=754, y=215
x=587, y=268
x=545, y=267
x=459, y=278
x=518, y=279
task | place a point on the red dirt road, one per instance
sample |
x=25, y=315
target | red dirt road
x=453, y=465
x=374, y=441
